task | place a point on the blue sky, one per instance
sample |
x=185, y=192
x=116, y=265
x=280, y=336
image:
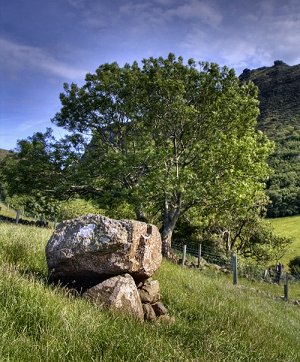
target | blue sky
x=46, y=43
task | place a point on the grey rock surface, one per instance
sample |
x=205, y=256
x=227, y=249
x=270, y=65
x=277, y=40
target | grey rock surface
x=149, y=314
x=118, y=293
x=149, y=291
x=89, y=249
x=159, y=309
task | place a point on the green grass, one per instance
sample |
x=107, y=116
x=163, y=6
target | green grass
x=289, y=227
x=7, y=211
x=215, y=321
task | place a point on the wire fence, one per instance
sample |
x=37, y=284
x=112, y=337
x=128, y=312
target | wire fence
x=205, y=257
x=200, y=254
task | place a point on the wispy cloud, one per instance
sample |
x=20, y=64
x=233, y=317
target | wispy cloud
x=31, y=125
x=94, y=14
x=259, y=35
x=202, y=11
x=145, y=14
x=15, y=56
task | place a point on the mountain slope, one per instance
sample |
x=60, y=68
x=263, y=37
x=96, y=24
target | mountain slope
x=279, y=95
x=279, y=91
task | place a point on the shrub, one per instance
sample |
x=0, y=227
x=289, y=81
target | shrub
x=294, y=266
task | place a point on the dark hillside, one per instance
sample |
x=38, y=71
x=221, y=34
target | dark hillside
x=3, y=153
x=279, y=91
x=279, y=95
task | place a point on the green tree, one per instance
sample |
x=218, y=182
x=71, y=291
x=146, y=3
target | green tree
x=167, y=137
x=164, y=138
x=39, y=173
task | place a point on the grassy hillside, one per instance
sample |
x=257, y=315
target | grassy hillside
x=215, y=321
x=7, y=211
x=3, y=153
x=289, y=227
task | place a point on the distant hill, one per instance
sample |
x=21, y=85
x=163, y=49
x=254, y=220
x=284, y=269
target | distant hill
x=3, y=153
x=279, y=95
x=279, y=91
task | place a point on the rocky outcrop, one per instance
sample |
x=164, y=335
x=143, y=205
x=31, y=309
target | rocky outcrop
x=279, y=89
x=92, y=248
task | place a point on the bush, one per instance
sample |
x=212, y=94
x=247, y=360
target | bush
x=77, y=207
x=294, y=266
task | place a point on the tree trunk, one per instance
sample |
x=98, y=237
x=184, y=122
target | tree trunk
x=170, y=219
x=140, y=216
x=166, y=243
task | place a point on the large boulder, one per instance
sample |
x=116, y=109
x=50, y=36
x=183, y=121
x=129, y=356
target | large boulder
x=89, y=249
x=119, y=292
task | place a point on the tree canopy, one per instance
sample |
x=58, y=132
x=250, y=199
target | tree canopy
x=166, y=137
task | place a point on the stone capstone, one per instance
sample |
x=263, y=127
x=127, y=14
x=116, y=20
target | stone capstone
x=89, y=249
x=119, y=293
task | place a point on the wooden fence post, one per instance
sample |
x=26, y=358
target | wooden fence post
x=234, y=268
x=17, y=216
x=286, y=287
x=184, y=255
x=199, y=255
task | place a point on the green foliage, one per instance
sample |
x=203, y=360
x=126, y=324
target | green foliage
x=73, y=208
x=214, y=321
x=294, y=266
x=38, y=206
x=250, y=236
x=259, y=242
x=42, y=167
x=284, y=185
x=3, y=154
x=162, y=138
x=76, y=207
x=170, y=136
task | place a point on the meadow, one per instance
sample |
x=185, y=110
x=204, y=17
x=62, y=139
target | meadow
x=289, y=227
x=214, y=320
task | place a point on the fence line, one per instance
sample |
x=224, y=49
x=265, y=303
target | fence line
x=203, y=254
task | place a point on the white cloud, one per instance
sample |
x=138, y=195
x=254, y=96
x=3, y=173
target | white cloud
x=16, y=56
x=254, y=38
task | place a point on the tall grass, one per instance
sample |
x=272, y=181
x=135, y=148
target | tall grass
x=7, y=211
x=215, y=321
